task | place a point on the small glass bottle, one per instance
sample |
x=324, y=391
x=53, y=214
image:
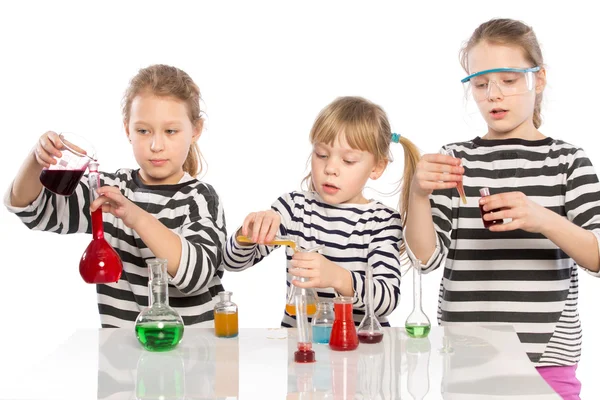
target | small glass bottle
x=305, y=353
x=322, y=322
x=226, y=316
x=417, y=324
x=484, y=192
x=158, y=327
x=343, y=333
x=370, y=330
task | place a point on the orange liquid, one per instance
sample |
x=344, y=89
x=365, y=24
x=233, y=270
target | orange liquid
x=311, y=309
x=461, y=192
x=226, y=324
x=276, y=242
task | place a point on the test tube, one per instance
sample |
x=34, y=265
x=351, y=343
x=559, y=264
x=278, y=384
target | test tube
x=305, y=353
x=484, y=192
x=459, y=185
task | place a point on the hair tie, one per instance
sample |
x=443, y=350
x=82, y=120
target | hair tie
x=396, y=137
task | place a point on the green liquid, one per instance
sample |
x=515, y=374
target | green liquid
x=155, y=338
x=418, y=331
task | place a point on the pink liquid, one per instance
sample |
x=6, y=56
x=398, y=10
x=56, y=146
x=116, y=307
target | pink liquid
x=60, y=181
x=100, y=263
x=305, y=354
x=343, y=333
x=370, y=337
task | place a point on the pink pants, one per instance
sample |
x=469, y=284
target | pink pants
x=562, y=380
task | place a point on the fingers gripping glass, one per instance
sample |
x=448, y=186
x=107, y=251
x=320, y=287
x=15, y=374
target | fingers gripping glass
x=509, y=81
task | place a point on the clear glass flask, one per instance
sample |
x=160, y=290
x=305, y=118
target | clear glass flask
x=310, y=297
x=226, y=316
x=322, y=322
x=99, y=263
x=158, y=327
x=417, y=324
x=370, y=330
x=305, y=353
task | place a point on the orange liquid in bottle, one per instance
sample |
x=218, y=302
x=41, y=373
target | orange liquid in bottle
x=226, y=324
x=276, y=242
x=311, y=309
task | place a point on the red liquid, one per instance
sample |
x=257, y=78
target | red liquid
x=60, y=181
x=370, y=337
x=343, y=333
x=487, y=224
x=100, y=263
x=304, y=353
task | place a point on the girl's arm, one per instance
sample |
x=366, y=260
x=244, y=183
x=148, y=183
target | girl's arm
x=194, y=253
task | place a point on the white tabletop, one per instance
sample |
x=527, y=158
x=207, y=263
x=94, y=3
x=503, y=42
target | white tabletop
x=486, y=363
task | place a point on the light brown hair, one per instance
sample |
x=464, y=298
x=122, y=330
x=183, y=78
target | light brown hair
x=168, y=81
x=366, y=127
x=512, y=33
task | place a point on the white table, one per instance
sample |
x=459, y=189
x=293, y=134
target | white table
x=486, y=363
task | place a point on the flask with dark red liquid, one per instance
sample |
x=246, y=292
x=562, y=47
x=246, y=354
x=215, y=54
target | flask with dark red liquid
x=486, y=192
x=370, y=330
x=99, y=263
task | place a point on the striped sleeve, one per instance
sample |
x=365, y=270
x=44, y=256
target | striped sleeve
x=239, y=258
x=384, y=257
x=582, y=197
x=203, y=237
x=54, y=213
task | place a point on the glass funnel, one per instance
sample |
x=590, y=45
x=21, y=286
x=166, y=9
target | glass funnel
x=417, y=324
x=226, y=316
x=99, y=263
x=158, y=327
x=369, y=330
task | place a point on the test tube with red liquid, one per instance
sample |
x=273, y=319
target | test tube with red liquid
x=486, y=192
x=459, y=185
x=305, y=353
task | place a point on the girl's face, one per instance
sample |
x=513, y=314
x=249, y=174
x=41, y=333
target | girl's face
x=339, y=173
x=160, y=131
x=506, y=116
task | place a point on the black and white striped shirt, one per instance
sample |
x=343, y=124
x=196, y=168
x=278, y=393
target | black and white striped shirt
x=191, y=209
x=516, y=277
x=355, y=236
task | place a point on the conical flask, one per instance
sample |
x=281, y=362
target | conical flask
x=158, y=327
x=417, y=324
x=369, y=330
x=99, y=263
x=311, y=298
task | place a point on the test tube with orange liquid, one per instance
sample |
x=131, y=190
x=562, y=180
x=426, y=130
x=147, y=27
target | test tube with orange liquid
x=459, y=185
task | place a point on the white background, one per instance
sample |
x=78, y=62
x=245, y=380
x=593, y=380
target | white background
x=265, y=70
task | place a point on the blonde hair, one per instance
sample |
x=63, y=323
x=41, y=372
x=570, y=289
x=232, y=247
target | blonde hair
x=513, y=33
x=168, y=81
x=366, y=127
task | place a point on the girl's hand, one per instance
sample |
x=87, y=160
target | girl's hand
x=321, y=272
x=47, y=147
x=112, y=201
x=261, y=227
x=525, y=213
x=436, y=171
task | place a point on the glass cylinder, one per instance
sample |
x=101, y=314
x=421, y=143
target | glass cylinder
x=158, y=327
x=322, y=322
x=226, y=316
x=484, y=192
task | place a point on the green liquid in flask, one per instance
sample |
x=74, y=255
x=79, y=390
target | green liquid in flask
x=417, y=331
x=158, y=336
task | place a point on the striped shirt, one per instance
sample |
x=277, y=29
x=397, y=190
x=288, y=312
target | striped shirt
x=191, y=209
x=515, y=277
x=355, y=236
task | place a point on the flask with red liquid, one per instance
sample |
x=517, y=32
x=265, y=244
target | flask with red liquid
x=486, y=192
x=343, y=333
x=99, y=263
